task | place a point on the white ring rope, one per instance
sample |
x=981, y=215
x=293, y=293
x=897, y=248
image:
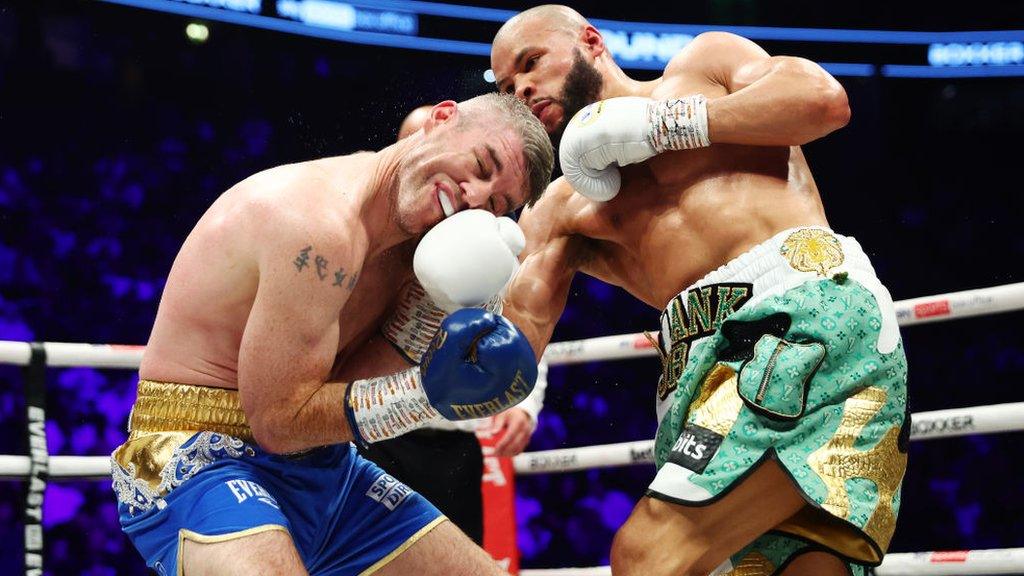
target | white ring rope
x=1004, y=561
x=926, y=426
x=67, y=354
x=914, y=311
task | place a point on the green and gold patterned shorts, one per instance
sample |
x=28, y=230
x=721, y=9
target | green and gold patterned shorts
x=789, y=352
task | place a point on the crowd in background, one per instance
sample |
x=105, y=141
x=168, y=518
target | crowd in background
x=111, y=146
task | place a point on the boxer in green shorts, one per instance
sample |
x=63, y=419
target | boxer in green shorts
x=790, y=353
x=782, y=403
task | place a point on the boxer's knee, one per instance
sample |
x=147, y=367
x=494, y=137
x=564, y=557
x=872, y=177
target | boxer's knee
x=642, y=547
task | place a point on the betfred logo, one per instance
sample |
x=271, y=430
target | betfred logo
x=694, y=448
x=930, y=309
x=641, y=341
x=950, y=556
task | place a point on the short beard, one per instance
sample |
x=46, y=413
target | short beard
x=582, y=86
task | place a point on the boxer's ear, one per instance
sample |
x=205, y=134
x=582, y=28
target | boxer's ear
x=592, y=41
x=441, y=113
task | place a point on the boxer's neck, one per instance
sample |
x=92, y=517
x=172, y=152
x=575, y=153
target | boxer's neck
x=378, y=210
x=616, y=83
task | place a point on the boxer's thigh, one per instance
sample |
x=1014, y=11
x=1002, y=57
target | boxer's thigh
x=217, y=513
x=445, y=551
x=662, y=537
x=267, y=552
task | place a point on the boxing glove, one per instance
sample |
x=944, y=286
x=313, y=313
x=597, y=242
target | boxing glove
x=619, y=131
x=477, y=365
x=468, y=258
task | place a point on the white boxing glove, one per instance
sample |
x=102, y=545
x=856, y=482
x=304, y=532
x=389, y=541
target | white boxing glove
x=468, y=258
x=620, y=131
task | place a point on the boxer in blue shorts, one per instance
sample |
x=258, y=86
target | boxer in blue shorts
x=283, y=334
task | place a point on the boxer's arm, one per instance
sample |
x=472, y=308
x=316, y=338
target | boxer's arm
x=291, y=338
x=537, y=294
x=374, y=358
x=772, y=100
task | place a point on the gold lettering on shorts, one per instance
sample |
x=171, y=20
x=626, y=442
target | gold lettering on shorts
x=708, y=307
x=717, y=404
x=753, y=564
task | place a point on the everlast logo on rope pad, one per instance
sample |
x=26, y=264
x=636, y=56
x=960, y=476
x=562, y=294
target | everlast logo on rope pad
x=695, y=448
x=703, y=312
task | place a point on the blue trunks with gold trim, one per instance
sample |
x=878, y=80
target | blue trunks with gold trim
x=190, y=470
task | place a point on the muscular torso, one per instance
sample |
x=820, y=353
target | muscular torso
x=212, y=285
x=682, y=214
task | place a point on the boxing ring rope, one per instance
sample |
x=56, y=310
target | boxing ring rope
x=982, y=301
x=40, y=466
x=926, y=426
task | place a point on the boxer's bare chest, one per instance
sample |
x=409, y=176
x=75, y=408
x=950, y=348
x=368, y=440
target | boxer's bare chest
x=681, y=214
x=375, y=290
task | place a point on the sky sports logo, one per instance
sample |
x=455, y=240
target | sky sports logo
x=388, y=491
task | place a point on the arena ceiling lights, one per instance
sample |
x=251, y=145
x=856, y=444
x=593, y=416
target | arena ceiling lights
x=636, y=45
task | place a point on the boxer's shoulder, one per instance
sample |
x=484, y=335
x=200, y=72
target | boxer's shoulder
x=706, y=65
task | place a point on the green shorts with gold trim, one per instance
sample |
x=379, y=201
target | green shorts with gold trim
x=804, y=376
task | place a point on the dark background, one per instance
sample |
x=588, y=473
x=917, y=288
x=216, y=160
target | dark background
x=116, y=133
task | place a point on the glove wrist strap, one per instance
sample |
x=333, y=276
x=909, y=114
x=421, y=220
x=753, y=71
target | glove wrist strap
x=678, y=123
x=388, y=406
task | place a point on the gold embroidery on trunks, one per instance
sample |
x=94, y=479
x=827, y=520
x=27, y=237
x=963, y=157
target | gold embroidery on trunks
x=812, y=250
x=753, y=564
x=717, y=404
x=839, y=461
x=705, y=310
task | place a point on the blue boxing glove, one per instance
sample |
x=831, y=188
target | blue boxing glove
x=477, y=365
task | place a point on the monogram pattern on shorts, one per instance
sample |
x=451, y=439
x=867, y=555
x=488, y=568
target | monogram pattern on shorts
x=843, y=456
x=704, y=310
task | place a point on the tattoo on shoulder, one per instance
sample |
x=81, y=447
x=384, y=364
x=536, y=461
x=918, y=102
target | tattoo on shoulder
x=321, y=268
x=302, y=260
x=339, y=279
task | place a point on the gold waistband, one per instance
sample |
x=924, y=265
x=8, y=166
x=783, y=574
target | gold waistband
x=165, y=406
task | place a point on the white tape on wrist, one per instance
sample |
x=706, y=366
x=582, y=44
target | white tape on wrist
x=679, y=123
x=412, y=325
x=415, y=321
x=389, y=406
